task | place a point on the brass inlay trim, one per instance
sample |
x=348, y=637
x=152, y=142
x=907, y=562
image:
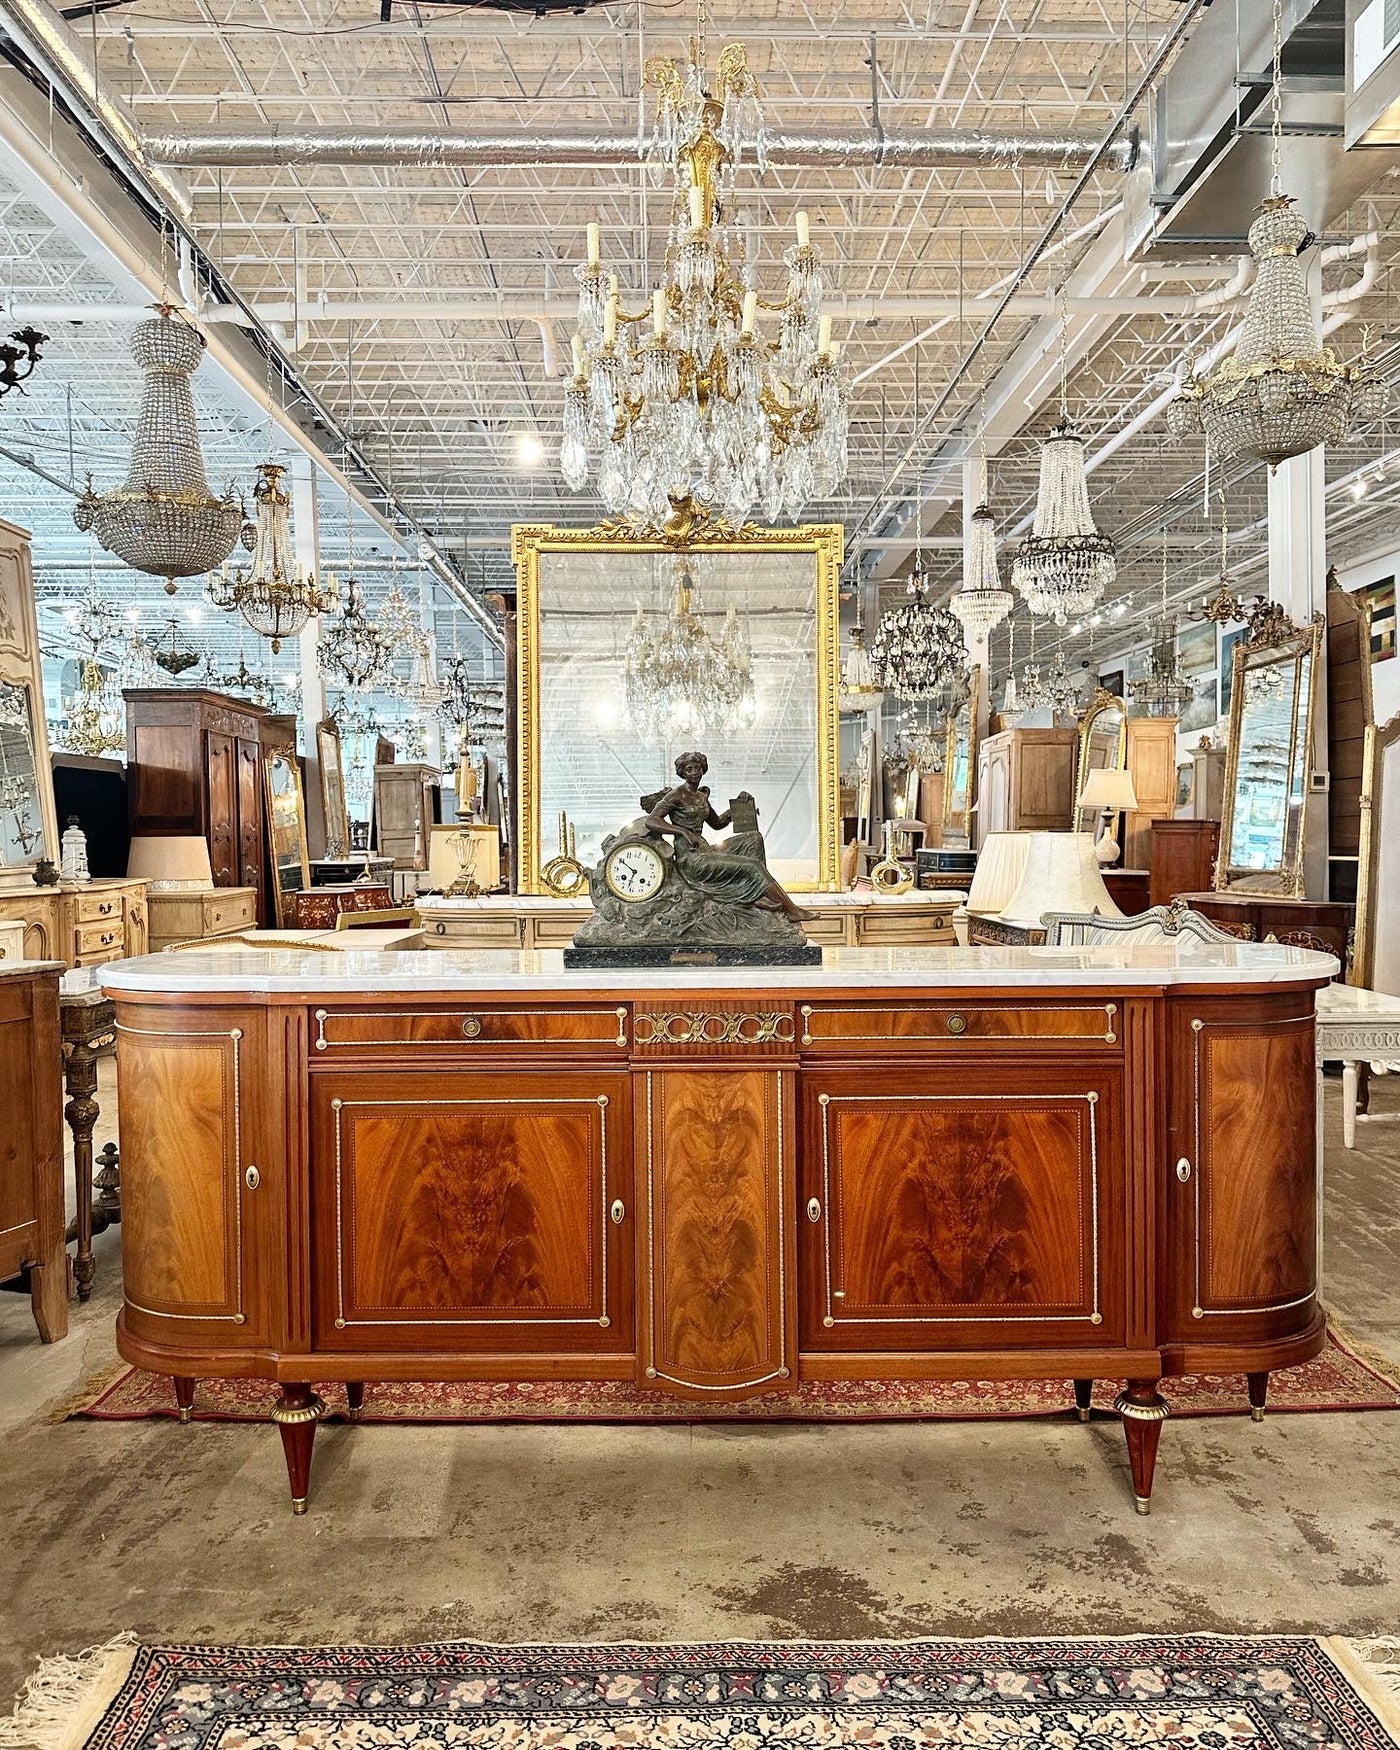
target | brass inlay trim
x=342, y=1323
x=1107, y=1010
x=237, y=1317
x=1091, y=1100
x=704, y=1027
x=323, y=1043
x=1199, y=1309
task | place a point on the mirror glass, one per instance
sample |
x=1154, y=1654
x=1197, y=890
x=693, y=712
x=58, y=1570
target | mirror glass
x=21, y=819
x=1102, y=743
x=1270, y=713
x=598, y=752
x=960, y=765
x=1378, y=909
x=286, y=821
x=333, y=803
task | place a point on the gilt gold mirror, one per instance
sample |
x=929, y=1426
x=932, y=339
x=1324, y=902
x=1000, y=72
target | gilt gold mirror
x=1376, y=965
x=598, y=728
x=1269, y=762
x=333, y=805
x=960, y=763
x=286, y=833
x=1103, y=743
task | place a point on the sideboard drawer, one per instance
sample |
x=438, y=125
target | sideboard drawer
x=847, y=1027
x=229, y=911
x=476, y=932
x=101, y=938
x=91, y=908
x=342, y=1032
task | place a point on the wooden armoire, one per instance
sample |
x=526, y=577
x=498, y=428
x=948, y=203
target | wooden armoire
x=194, y=769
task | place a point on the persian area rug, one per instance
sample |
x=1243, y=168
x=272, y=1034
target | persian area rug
x=1337, y=1379
x=1212, y=1692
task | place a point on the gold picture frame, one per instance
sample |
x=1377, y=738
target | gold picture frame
x=286, y=834
x=331, y=766
x=823, y=541
x=1272, y=643
x=1101, y=703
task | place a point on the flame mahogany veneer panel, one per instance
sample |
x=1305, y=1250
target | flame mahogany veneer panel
x=472, y=1204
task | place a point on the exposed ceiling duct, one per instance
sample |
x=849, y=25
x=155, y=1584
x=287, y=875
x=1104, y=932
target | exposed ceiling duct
x=864, y=148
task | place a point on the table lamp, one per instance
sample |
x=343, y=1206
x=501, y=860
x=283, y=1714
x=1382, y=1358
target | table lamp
x=1110, y=789
x=171, y=865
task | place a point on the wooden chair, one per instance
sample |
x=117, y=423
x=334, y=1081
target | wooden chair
x=1163, y=923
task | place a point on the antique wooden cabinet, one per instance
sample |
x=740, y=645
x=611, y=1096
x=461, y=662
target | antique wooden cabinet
x=1264, y=917
x=81, y=923
x=1182, y=858
x=406, y=804
x=914, y=1164
x=1150, y=754
x=1026, y=780
x=31, y=1140
x=200, y=917
x=194, y=769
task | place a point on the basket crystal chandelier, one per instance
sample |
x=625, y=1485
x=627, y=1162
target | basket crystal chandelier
x=1281, y=392
x=918, y=651
x=1064, y=565
x=679, y=677
x=163, y=519
x=688, y=402
x=860, y=690
x=981, y=604
x=274, y=597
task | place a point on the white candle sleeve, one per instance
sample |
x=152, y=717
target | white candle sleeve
x=824, y=335
x=750, y=311
x=658, y=313
x=593, y=243
x=697, y=209
x=804, y=234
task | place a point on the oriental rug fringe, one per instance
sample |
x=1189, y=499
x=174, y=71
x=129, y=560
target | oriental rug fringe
x=1201, y=1692
x=1337, y=1379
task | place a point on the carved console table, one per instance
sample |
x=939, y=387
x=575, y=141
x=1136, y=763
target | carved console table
x=906, y=1164
x=1357, y=1028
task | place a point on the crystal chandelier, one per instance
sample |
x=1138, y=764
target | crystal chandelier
x=1064, y=565
x=94, y=621
x=1164, y=689
x=702, y=409
x=352, y=645
x=1058, y=691
x=256, y=687
x=163, y=519
x=678, y=677
x=273, y=595
x=918, y=652
x=1281, y=392
x=925, y=744
x=137, y=667
x=981, y=604
x=95, y=714
x=860, y=690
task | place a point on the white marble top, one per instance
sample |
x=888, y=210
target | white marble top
x=1348, y=1002
x=488, y=904
x=508, y=971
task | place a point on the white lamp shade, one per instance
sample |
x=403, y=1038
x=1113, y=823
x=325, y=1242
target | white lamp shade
x=1108, y=787
x=171, y=865
x=1061, y=874
x=1000, y=865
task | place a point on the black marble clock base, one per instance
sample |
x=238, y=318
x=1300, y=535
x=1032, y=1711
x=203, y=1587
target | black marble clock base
x=685, y=954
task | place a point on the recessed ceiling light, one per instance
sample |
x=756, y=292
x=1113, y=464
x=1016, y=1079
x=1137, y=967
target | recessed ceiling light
x=529, y=451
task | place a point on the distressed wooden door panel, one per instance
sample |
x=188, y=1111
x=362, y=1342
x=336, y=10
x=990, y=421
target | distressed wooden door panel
x=717, y=1248
x=478, y=1211
x=971, y=1209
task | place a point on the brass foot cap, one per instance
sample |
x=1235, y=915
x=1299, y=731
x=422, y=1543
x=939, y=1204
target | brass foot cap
x=1256, y=1412
x=299, y=1506
x=1143, y=1503
x=186, y=1413
x=1083, y=1415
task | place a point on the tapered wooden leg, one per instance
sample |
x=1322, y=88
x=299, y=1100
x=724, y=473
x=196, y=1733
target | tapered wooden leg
x=355, y=1395
x=296, y=1414
x=1143, y=1412
x=1258, y=1391
x=184, y=1397
x=48, y=1296
x=1083, y=1397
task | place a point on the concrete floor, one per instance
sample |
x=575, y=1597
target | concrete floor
x=565, y=1533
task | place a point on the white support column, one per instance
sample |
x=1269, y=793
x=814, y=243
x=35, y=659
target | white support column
x=974, y=482
x=306, y=546
x=427, y=619
x=1298, y=581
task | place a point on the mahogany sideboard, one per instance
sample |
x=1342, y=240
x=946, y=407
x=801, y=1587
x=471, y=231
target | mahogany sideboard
x=906, y=1164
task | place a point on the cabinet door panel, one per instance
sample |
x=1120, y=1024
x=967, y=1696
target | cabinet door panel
x=952, y=1215
x=223, y=810
x=473, y=1211
x=203, y=1181
x=250, y=837
x=1242, y=1199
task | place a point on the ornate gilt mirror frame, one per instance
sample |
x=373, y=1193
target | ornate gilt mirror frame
x=1377, y=951
x=1272, y=640
x=958, y=821
x=695, y=534
x=36, y=834
x=1100, y=703
x=330, y=762
x=286, y=821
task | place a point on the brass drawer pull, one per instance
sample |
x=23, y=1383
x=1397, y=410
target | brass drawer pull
x=1183, y=1169
x=814, y=1209
x=440, y=929
x=618, y=1212
x=956, y=1023
x=471, y=1026
x=252, y=1178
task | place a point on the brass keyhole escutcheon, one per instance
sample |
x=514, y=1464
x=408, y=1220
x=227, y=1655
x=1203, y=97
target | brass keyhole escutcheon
x=252, y=1178
x=814, y=1209
x=618, y=1212
x=957, y=1023
x=1183, y=1169
x=471, y=1026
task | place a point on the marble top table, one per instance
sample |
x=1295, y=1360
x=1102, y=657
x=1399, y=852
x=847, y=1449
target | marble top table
x=1361, y=1030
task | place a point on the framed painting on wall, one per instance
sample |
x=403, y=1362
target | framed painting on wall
x=1196, y=651
x=1379, y=600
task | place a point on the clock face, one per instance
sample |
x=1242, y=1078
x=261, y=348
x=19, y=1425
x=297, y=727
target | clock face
x=634, y=871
